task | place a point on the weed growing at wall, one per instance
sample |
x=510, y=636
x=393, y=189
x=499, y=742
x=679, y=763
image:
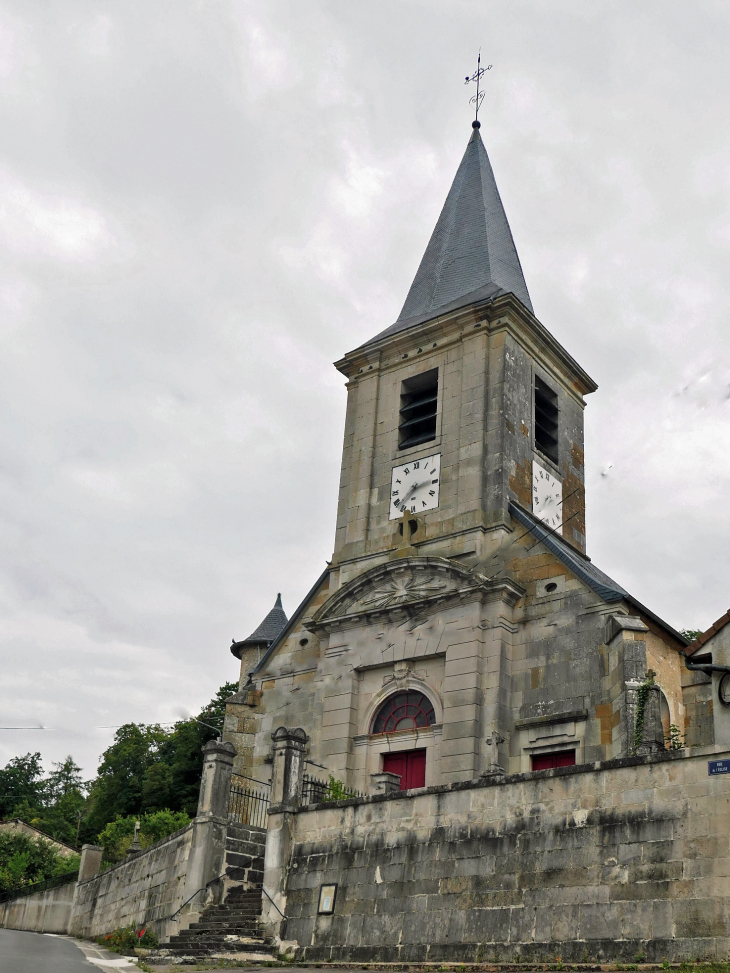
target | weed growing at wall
x=674, y=739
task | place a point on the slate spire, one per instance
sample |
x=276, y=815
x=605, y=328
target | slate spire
x=471, y=254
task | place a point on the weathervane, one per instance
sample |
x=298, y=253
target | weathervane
x=478, y=98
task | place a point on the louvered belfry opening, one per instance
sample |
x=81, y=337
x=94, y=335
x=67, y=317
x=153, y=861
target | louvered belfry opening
x=546, y=420
x=418, y=409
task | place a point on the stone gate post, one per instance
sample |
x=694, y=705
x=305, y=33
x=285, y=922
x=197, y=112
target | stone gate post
x=208, y=850
x=286, y=795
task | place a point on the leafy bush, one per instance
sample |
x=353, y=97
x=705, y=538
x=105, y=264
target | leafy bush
x=125, y=940
x=118, y=835
x=24, y=860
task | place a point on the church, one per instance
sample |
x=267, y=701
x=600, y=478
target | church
x=461, y=630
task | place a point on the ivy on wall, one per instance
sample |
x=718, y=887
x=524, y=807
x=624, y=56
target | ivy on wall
x=642, y=695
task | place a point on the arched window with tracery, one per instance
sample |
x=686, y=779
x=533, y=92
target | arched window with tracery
x=404, y=711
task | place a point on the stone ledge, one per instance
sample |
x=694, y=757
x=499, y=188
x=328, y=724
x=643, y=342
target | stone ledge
x=617, y=763
x=575, y=716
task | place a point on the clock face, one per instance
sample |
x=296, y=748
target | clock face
x=547, y=497
x=415, y=486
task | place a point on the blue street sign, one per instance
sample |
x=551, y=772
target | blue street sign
x=718, y=767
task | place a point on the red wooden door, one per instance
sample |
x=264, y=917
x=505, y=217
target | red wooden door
x=546, y=761
x=410, y=767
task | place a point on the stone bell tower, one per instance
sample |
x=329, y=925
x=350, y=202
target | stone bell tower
x=467, y=375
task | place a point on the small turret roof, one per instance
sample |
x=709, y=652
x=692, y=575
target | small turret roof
x=267, y=631
x=471, y=255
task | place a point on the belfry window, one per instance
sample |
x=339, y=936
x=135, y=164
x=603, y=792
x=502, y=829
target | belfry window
x=404, y=711
x=546, y=420
x=417, y=416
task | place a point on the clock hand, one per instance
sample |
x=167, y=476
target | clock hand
x=416, y=486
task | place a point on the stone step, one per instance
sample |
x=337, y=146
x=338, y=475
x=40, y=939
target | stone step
x=207, y=931
x=164, y=957
x=215, y=945
x=219, y=931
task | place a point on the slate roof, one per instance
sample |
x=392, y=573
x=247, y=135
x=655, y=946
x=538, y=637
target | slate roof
x=604, y=587
x=471, y=255
x=265, y=633
x=584, y=569
x=706, y=636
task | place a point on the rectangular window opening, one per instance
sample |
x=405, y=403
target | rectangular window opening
x=417, y=414
x=546, y=420
x=548, y=761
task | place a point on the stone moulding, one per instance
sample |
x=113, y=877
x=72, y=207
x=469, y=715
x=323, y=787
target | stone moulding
x=574, y=716
x=396, y=588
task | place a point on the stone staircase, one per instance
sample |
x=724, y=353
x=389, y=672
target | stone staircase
x=229, y=931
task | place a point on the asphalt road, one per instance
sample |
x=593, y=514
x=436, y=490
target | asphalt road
x=32, y=952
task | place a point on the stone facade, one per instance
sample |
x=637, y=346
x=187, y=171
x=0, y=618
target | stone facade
x=585, y=864
x=510, y=638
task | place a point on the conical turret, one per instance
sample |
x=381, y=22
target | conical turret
x=265, y=633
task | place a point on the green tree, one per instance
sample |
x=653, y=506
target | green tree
x=20, y=784
x=117, y=836
x=151, y=768
x=118, y=787
x=157, y=788
x=690, y=633
x=24, y=860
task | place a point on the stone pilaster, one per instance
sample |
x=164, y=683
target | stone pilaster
x=625, y=641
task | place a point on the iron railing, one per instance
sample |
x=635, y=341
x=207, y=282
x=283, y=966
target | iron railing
x=44, y=886
x=249, y=805
x=315, y=791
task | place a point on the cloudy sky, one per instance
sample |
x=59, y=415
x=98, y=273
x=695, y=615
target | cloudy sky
x=204, y=204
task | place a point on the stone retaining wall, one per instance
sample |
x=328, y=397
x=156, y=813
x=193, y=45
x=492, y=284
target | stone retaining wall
x=594, y=862
x=145, y=890
x=43, y=912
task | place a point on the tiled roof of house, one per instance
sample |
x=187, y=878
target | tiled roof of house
x=706, y=636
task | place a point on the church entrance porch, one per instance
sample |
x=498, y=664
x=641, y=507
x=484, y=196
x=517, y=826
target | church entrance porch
x=410, y=766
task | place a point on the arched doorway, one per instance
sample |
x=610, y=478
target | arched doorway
x=409, y=710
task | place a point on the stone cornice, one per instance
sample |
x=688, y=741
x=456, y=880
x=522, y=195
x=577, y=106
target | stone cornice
x=504, y=313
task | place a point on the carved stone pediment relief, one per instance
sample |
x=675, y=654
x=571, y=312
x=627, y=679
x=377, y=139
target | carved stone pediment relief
x=409, y=585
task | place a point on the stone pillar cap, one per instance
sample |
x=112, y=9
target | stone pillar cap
x=295, y=734
x=623, y=623
x=218, y=746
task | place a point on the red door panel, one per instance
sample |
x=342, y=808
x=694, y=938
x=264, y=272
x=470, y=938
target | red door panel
x=547, y=761
x=410, y=767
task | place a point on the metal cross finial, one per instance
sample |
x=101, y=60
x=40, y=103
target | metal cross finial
x=478, y=98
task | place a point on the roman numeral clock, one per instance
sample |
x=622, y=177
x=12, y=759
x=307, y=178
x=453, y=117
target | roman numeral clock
x=415, y=486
